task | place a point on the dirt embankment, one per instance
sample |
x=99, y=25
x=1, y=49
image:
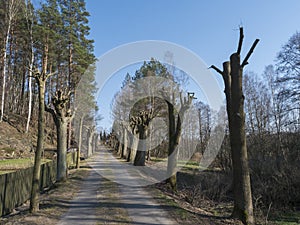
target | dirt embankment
x=15, y=143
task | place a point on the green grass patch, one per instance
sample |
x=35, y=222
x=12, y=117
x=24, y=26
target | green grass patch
x=189, y=165
x=15, y=164
x=153, y=159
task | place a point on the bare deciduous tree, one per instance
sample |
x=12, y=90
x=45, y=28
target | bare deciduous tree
x=61, y=116
x=175, y=128
x=12, y=9
x=41, y=78
x=233, y=79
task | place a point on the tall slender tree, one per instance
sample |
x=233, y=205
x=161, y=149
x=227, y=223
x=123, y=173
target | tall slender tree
x=12, y=7
x=41, y=78
x=29, y=15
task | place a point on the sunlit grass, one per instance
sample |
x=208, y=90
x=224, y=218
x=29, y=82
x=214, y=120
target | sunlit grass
x=191, y=165
x=10, y=165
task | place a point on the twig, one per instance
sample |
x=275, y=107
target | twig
x=266, y=221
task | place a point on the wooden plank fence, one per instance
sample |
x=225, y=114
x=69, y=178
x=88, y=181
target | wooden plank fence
x=15, y=187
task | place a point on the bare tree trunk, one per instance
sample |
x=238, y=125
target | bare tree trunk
x=142, y=122
x=41, y=78
x=120, y=147
x=34, y=198
x=30, y=87
x=174, y=137
x=243, y=208
x=4, y=70
x=62, y=169
x=125, y=144
x=61, y=116
x=79, y=142
x=29, y=13
x=90, y=141
x=172, y=149
x=232, y=75
x=133, y=147
x=140, y=156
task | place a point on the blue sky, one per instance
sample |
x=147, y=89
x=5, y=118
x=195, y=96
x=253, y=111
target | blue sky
x=208, y=28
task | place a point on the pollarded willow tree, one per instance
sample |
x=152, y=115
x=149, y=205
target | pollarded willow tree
x=125, y=106
x=233, y=80
x=53, y=24
x=85, y=105
x=142, y=122
x=175, y=129
x=61, y=116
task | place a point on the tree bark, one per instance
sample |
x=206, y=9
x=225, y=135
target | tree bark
x=35, y=190
x=133, y=147
x=125, y=144
x=61, y=127
x=30, y=88
x=243, y=208
x=79, y=142
x=30, y=24
x=4, y=70
x=172, y=150
x=61, y=117
x=120, y=147
x=41, y=78
x=90, y=141
x=174, y=137
x=232, y=75
x=140, y=157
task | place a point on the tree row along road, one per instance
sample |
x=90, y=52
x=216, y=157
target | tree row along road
x=138, y=203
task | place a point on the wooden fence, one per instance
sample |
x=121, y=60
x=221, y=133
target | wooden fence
x=15, y=187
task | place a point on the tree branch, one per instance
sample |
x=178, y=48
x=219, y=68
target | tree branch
x=245, y=62
x=240, y=41
x=216, y=69
x=50, y=74
x=49, y=110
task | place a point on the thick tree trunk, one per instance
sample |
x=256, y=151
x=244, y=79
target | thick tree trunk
x=174, y=139
x=172, y=155
x=79, y=142
x=243, y=208
x=232, y=75
x=90, y=142
x=140, y=157
x=120, y=147
x=34, y=198
x=61, y=117
x=133, y=148
x=125, y=144
x=130, y=142
x=172, y=164
x=61, y=127
x=41, y=80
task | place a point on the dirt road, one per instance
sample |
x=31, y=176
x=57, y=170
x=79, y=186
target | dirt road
x=127, y=195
